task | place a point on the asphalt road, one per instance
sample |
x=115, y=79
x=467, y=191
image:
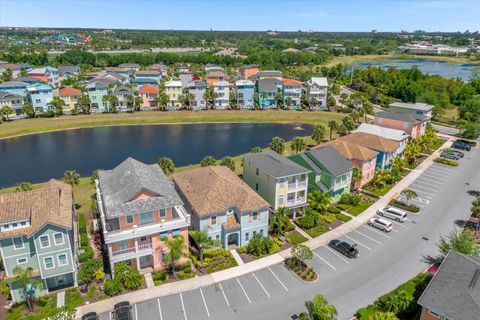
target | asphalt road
x=445, y=129
x=386, y=261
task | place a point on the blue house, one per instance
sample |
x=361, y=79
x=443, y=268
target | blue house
x=16, y=87
x=267, y=91
x=245, y=94
x=40, y=95
x=222, y=204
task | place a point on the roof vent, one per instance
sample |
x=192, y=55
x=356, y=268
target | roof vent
x=473, y=282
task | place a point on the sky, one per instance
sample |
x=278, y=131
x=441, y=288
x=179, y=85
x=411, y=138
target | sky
x=247, y=15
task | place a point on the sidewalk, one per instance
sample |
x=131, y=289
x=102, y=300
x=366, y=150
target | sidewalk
x=210, y=279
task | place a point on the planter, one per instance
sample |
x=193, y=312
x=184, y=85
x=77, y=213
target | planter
x=303, y=271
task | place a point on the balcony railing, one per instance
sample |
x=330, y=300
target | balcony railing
x=298, y=184
x=145, y=246
x=123, y=251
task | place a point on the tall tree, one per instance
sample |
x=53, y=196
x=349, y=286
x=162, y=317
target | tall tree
x=356, y=176
x=203, y=243
x=71, y=177
x=167, y=165
x=298, y=144
x=6, y=111
x=28, y=108
x=319, y=309
x=333, y=126
x=228, y=162
x=58, y=104
x=175, y=246
x=318, y=133
x=28, y=284
x=208, y=161
x=458, y=241
x=319, y=200
x=279, y=221
x=277, y=144
x=409, y=194
x=84, y=103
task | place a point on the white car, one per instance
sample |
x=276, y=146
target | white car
x=393, y=214
x=381, y=224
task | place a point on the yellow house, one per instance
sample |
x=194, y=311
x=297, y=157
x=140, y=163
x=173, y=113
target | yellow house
x=174, y=90
x=70, y=96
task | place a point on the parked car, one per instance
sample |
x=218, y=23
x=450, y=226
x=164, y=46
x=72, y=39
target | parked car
x=122, y=311
x=90, y=316
x=458, y=153
x=381, y=224
x=449, y=155
x=393, y=213
x=459, y=144
x=344, y=248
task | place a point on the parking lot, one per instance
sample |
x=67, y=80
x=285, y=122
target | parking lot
x=223, y=300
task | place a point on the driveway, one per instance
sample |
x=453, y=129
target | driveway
x=386, y=260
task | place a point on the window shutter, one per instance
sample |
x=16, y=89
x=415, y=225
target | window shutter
x=209, y=221
x=259, y=216
x=250, y=217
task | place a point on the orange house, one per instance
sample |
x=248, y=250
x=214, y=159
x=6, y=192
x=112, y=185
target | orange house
x=248, y=71
x=138, y=209
x=412, y=124
x=148, y=92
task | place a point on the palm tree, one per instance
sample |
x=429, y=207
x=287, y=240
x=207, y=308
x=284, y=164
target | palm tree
x=167, y=165
x=6, y=111
x=411, y=151
x=208, y=161
x=137, y=102
x=256, y=150
x=298, y=144
x=71, y=177
x=58, y=104
x=27, y=283
x=333, y=126
x=318, y=133
x=397, y=302
x=319, y=200
x=356, y=176
x=130, y=101
x=319, y=309
x=175, y=250
x=380, y=315
x=84, y=103
x=203, y=242
x=24, y=186
x=228, y=161
x=94, y=176
x=409, y=194
x=277, y=144
x=475, y=210
x=279, y=221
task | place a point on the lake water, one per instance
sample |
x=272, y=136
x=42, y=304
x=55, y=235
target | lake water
x=427, y=66
x=39, y=157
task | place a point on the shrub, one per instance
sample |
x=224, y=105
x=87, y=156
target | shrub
x=83, y=240
x=306, y=222
x=343, y=217
x=82, y=223
x=333, y=209
x=242, y=250
x=113, y=287
x=159, y=276
x=260, y=245
x=447, y=162
x=294, y=237
x=328, y=218
x=350, y=199
x=404, y=206
x=99, y=275
x=5, y=289
x=88, y=254
x=88, y=270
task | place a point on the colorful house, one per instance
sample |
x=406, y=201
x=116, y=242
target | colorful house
x=138, y=208
x=143, y=77
x=245, y=94
x=70, y=96
x=329, y=171
x=214, y=74
x=197, y=88
x=122, y=93
x=48, y=75
x=40, y=95
x=279, y=180
x=129, y=66
x=393, y=134
x=454, y=291
x=317, y=88
x=292, y=94
x=16, y=87
x=16, y=68
x=222, y=89
x=96, y=91
x=361, y=157
x=412, y=124
x=148, y=93
x=37, y=231
x=66, y=72
x=248, y=71
x=267, y=92
x=418, y=108
x=13, y=101
x=174, y=90
x=220, y=203
x=387, y=149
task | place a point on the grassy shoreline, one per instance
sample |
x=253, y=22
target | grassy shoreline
x=40, y=125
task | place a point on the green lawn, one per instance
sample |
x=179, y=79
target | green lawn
x=294, y=237
x=379, y=192
x=317, y=230
x=44, y=306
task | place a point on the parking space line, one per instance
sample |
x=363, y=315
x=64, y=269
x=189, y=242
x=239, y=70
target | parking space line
x=224, y=295
x=324, y=261
x=427, y=185
x=398, y=223
x=433, y=177
x=356, y=241
x=136, y=313
x=159, y=308
x=436, y=175
x=278, y=279
x=338, y=255
x=204, y=302
x=367, y=237
x=245, y=292
x=373, y=229
x=420, y=191
x=183, y=307
x=110, y=315
x=261, y=285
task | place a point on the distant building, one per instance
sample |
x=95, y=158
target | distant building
x=267, y=92
x=222, y=89
x=130, y=66
x=148, y=93
x=292, y=94
x=214, y=74
x=70, y=96
x=245, y=94
x=16, y=87
x=40, y=95
x=14, y=101
x=96, y=91
x=417, y=108
x=198, y=88
x=393, y=134
x=65, y=72
x=317, y=88
x=143, y=77
x=123, y=93
x=48, y=75
x=248, y=71
x=174, y=90
x=15, y=67
x=412, y=124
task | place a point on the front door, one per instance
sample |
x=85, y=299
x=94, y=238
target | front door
x=232, y=239
x=146, y=261
x=61, y=280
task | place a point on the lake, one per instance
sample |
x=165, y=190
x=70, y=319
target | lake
x=39, y=157
x=427, y=66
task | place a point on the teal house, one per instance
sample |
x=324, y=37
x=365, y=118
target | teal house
x=330, y=171
x=37, y=232
x=96, y=91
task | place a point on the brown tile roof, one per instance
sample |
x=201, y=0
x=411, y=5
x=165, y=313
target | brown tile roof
x=231, y=222
x=217, y=189
x=291, y=82
x=351, y=150
x=69, y=91
x=371, y=141
x=50, y=204
x=149, y=88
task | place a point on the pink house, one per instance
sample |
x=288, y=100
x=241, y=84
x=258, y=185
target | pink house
x=149, y=92
x=138, y=208
x=412, y=124
x=361, y=157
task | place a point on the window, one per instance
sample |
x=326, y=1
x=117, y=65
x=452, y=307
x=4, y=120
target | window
x=280, y=200
x=213, y=220
x=129, y=219
x=122, y=245
x=247, y=236
x=23, y=223
x=257, y=171
x=38, y=100
x=62, y=260
x=163, y=213
x=58, y=239
x=282, y=182
x=48, y=262
x=18, y=243
x=254, y=233
x=176, y=232
x=217, y=237
x=146, y=218
x=14, y=225
x=434, y=313
x=44, y=241
x=256, y=186
x=255, y=215
x=22, y=261
x=6, y=226
x=261, y=232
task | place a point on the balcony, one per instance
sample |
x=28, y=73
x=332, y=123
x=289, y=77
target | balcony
x=297, y=185
x=140, y=249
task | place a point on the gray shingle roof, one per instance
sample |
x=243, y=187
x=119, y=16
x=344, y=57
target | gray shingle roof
x=414, y=106
x=120, y=185
x=413, y=118
x=274, y=164
x=332, y=160
x=269, y=84
x=13, y=84
x=67, y=69
x=123, y=90
x=454, y=291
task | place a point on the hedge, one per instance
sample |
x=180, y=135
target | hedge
x=447, y=162
x=88, y=254
x=333, y=209
x=343, y=217
x=83, y=239
x=82, y=223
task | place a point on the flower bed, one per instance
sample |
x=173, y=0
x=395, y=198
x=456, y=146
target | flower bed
x=402, y=205
x=317, y=230
x=294, y=237
x=301, y=269
x=447, y=162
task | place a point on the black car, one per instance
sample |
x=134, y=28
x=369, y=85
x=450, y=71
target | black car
x=449, y=155
x=90, y=316
x=459, y=144
x=122, y=311
x=344, y=248
x=459, y=154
